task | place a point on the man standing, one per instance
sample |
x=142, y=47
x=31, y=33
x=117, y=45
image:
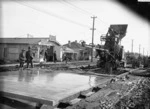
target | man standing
x=65, y=58
x=55, y=57
x=22, y=58
x=46, y=57
x=29, y=57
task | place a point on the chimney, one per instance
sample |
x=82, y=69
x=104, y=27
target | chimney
x=69, y=43
x=83, y=43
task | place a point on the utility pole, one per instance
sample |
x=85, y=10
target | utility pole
x=28, y=35
x=139, y=49
x=143, y=52
x=92, y=36
x=132, y=46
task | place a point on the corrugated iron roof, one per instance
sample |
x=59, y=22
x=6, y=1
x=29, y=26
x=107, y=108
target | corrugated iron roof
x=20, y=40
x=24, y=40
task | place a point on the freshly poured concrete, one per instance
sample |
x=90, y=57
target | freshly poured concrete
x=38, y=84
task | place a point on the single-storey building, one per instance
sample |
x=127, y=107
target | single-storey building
x=83, y=51
x=11, y=47
x=70, y=53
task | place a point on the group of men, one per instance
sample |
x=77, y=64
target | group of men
x=28, y=57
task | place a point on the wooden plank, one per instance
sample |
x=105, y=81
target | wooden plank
x=89, y=94
x=74, y=101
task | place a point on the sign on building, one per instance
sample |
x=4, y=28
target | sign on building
x=52, y=38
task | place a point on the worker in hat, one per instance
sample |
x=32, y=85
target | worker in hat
x=29, y=57
x=22, y=58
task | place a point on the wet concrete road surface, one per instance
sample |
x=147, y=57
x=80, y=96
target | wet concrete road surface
x=48, y=86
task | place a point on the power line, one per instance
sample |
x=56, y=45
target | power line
x=103, y=21
x=72, y=6
x=57, y=16
x=77, y=9
x=53, y=15
x=89, y=13
x=85, y=12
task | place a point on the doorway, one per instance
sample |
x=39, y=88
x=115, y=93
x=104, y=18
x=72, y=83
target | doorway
x=50, y=51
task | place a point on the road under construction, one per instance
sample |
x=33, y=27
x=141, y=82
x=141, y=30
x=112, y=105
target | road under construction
x=107, y=84
x=46, y=89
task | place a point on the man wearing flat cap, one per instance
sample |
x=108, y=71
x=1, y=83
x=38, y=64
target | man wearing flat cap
x=22, y=58
x=29, y=57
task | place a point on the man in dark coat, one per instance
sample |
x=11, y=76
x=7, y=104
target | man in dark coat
x=55, y=57
x=22, y=58
x=29, y=57
x=46, y=57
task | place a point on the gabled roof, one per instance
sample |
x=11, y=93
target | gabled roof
x=67, y=50
x=74, y=45
x=48, y=42
x=25, y=40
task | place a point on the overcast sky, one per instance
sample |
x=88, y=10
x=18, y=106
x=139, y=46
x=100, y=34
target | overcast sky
x=71, y=20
